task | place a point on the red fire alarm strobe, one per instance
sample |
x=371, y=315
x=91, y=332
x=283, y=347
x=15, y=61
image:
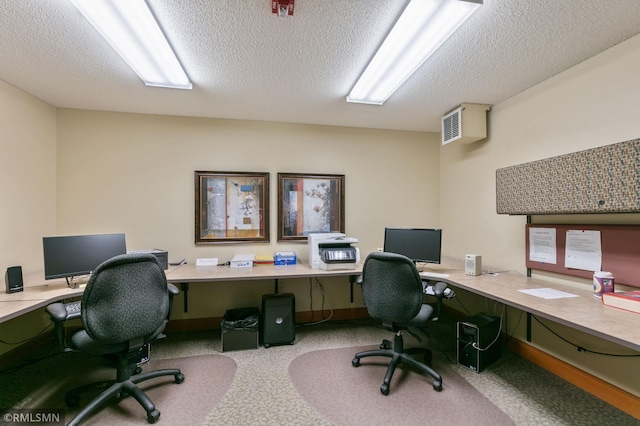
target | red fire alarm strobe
x=282, y=8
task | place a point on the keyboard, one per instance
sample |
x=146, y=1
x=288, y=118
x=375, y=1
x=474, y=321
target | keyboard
x=72, y=308
x=432, y=275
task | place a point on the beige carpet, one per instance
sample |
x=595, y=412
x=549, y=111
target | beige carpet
x=207, y=380
x=347, y=395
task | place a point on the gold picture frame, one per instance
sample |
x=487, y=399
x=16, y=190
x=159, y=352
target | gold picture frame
x=231, y=207
x=309, y=203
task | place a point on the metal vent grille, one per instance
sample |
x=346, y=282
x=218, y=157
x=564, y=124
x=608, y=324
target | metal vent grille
x=451, y=126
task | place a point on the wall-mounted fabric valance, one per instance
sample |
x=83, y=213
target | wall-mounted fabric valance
x=599, y=180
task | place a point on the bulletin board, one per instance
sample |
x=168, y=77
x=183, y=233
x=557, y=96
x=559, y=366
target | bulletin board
x=620, y=251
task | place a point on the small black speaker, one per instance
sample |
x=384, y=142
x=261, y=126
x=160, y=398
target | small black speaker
x=278, y=322
x=13, y=279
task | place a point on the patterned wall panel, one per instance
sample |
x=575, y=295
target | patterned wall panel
x=599, y=180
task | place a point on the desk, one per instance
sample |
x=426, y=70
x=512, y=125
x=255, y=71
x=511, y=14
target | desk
x=185, y=274
x=38, y=293
x=584, y=313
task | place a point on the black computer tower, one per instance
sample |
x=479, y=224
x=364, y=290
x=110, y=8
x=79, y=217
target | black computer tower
x=478, y=343
x=278, y=322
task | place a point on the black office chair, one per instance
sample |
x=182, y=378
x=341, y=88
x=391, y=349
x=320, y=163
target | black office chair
x=125, y=305
x=393, y=294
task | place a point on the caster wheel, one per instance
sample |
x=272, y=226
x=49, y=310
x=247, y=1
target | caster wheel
x=138, y=370
x=437, y=386
x=384, y=389
x=72, y=400
x=355, y=362
x=153, y=416
x=266, y=345
x=179, y=378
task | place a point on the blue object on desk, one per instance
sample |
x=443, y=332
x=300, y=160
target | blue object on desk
x=284, y=258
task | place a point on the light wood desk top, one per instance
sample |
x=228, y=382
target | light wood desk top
x=585, y=312
x=36, y=294
x=193, y=273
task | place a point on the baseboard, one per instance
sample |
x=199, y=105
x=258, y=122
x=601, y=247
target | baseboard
x=607, y=392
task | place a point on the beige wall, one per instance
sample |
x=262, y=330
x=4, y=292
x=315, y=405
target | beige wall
x=594, y=104
x=28, y=176
x=27, y=193
x=134, y=173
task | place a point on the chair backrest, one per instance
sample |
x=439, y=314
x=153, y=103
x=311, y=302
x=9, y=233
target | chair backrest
x=391, y=287
x=126, y=298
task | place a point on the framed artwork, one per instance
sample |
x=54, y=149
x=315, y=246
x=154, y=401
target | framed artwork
x=309, y=203
x=231, y=207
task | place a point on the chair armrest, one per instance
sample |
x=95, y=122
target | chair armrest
x=57, y=312
x=59, y=315
x=173, y=290
x=438, y=290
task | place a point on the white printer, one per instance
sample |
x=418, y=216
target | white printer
x=332, y=250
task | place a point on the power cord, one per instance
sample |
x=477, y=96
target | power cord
x=498, y=334
x=321, y=287
x=580, y=348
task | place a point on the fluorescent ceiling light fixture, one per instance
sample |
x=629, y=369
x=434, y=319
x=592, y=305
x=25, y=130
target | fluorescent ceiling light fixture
x=423, y=26
x=131, y=29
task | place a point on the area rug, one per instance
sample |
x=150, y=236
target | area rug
x=347, y=395
x=207, y=380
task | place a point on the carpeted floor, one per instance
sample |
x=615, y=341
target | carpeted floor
x=44, y=385
x=346, y=395
x=262, y=387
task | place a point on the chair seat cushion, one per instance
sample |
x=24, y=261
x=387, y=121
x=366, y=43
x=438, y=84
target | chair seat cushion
x=424, y=315
x=82, y=341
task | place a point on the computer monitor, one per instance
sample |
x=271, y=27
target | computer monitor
x=72, y=256
x=419, y=245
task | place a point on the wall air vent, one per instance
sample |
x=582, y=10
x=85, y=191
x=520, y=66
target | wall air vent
x=467, y=123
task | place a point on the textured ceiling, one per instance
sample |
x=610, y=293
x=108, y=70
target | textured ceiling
x=246, y=63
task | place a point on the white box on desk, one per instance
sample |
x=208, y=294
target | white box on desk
x=242, y=261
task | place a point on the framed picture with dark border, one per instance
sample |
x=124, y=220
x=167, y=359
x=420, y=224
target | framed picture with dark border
x=309, y=203
x=231, y=207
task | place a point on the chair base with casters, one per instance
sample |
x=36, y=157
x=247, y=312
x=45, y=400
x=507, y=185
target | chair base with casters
x=128, y=376
x=399, y=356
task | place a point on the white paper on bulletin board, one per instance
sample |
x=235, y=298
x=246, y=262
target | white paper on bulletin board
x=583, y=250
x=542, y=245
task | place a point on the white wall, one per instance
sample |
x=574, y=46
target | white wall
x=593, y=104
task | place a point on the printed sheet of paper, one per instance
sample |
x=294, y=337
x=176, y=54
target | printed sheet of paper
x=542, y=245
x=583, y=250
x=548, y=293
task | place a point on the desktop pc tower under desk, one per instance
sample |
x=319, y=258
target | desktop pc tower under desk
x=278, y=322
x=479, y=331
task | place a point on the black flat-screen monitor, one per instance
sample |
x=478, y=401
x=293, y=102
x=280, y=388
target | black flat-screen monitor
x=77, y=255
x=419, y=245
